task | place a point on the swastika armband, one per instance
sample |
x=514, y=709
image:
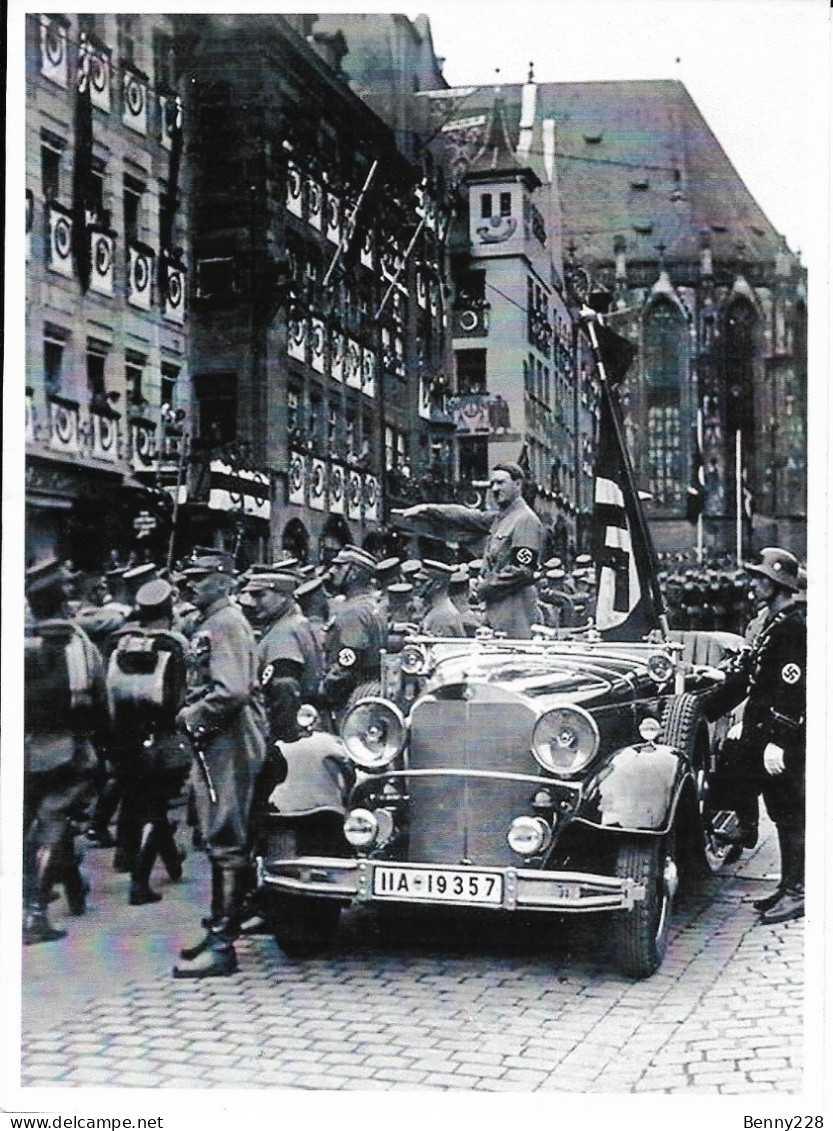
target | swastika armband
x=346, y=658
x=525, y=557
x=791, y=673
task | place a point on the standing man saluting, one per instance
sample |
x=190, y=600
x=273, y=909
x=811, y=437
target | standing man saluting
x=506, y=584
x=224, y=714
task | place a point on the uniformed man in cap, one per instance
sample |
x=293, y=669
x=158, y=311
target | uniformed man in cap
x=441, y=617
x=458, y=594
x=312, y=601
x=290, y=661
x=773, y=736
x=145, y=685
x=506, y=583
x=356, y=633
x=64, y=714
x=224, y=714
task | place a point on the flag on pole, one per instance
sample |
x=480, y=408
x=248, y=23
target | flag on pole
x=83, y=198
x=696, y=496
x=628, y=604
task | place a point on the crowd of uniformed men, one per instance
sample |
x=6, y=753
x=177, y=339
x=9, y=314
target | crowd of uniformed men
x=146, y=686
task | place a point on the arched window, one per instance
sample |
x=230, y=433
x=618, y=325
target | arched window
x=665, y=372
x=740, y=346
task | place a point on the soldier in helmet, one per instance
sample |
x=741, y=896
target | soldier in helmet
x=773, y=736
x=224, y=714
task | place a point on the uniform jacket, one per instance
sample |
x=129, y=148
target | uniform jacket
x=291, y=638
x=444, y=619
x=513, y=548
x=222, y=697
x=773, y=674
x=352, y=648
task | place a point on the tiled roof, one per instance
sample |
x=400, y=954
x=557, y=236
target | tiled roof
x=638, y=160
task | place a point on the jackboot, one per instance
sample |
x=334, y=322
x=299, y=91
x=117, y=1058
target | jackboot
x=790, y=903
x=169, y=851
x=36, y=925
x=789, y=906
x=767, y=901
x=208, y=921
x=76, y=884
x=218, y=958
x=140, y=889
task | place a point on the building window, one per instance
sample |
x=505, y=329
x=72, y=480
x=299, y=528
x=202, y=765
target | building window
x=471, y=372
x=217, y=403
x=292, y=399
x=164, y=65
x=665, y=370
x=96, y=364
x=51, y=151
x=127, y=32
x=167, y=386
x=134, y=378
x=53, y=363
x=133, y=191
x=97, y=187
x=486, y=206
x=506, y=204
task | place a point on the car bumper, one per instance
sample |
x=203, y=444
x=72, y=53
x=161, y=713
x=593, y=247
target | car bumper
x=522, y=889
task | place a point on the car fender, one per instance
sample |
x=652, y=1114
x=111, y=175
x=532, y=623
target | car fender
x=319, y=775
x=636, y=790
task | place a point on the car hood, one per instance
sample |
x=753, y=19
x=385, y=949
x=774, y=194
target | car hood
x=544, y=678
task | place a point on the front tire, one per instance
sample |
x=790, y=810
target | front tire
x=640, y=936
x=684, y=727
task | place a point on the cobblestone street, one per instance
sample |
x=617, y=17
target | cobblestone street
x=514, y=1007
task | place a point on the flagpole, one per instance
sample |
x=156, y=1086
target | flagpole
x=344, y=242
x=647, y=541
x=738, y=497
x=702, y=472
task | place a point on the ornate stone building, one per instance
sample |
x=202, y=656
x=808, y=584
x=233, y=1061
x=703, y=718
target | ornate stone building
x=647, y=205
x=319, y=329
x=106, y=252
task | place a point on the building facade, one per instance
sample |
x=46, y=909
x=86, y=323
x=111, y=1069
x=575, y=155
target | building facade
x=107, y=255
x=648, y=207
x=318, y=336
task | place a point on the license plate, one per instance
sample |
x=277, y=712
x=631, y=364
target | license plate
x=437, y=885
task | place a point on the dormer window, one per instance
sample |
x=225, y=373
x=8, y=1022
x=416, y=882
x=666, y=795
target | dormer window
x=506, y=204
x=486, y=206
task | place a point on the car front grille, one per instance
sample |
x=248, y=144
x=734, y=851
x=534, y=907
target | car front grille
x=455, y=816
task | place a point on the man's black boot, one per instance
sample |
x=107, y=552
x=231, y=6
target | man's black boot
x=140, y=889
x=790, y=903
x=218, y=958
x=189, y=953
x=36, y=925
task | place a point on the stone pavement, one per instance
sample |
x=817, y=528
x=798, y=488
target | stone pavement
x=442, y=1004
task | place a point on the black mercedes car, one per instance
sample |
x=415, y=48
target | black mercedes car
x=552, y=775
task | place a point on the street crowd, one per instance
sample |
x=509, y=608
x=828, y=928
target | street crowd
x=152, y=691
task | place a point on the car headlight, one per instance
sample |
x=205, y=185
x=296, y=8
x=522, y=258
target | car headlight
x=660, y=668
x=413, y=660
x=374, y=733
x=528, y=835
x=307, y=717
x=360, y=828
x=565, y=740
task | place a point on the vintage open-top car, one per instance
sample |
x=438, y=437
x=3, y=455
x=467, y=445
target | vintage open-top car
x=551, y=775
